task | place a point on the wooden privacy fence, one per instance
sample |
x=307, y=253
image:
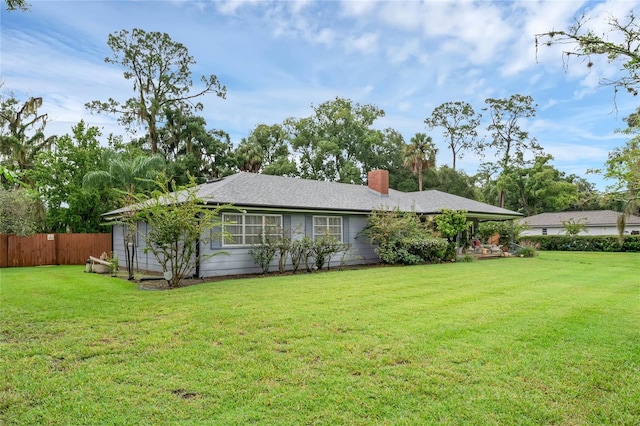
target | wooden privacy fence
x=52, y=249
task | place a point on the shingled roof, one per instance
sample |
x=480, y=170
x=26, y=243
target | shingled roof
x=258, y=190
x=589, y=218
x=254, y=190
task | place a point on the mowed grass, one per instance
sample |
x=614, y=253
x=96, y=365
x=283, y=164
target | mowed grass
x=547, y=340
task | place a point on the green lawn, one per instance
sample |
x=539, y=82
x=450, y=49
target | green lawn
x=548, y=340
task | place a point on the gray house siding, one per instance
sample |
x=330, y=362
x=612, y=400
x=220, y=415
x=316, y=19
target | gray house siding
x=238, y=260
x=141, y=261
x=297, y=201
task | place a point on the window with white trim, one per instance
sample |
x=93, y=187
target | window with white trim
x=544, y=231
x=327, y=226
x=250, y=229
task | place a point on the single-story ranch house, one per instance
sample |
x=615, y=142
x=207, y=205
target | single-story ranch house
x=597, y=222
x=302, y=207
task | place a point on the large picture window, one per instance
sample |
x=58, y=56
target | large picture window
x=250, y=229
x=327, y=226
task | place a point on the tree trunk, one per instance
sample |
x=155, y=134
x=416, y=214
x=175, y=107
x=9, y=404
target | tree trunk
x=153, y=136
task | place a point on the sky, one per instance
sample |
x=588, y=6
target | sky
x=278, y=58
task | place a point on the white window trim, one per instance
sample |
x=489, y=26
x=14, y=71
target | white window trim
x=313, y=226
x=244, y=224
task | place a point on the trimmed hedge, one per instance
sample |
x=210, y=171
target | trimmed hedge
x=411, y=251
x=608, y=243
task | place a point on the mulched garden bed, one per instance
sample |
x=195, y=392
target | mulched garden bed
x=153, y=282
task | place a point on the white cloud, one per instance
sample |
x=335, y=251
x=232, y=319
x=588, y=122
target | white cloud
x=365, y=43
x=410, y=49
x=357, y=8
x=403, y=15
x=404, y=106
x=576, y=153
x=298, y=6
x=230, y=7
x=550, y=103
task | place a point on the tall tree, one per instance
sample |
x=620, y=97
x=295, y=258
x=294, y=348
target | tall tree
x=160, y=70
x=266, y=150
x=337, y=142
x=22, y=133
x=620, y=43
x=387, y=154
x=249, y=156
x=420, y=155
x=623, y=168
x=216, y=154
x=538, y=188
x=57, y=177
x=451, y=181
x=272, y=140
x=191, y=149
x=459, y=124
x=387, y=150
x=509, y=140
x=19, y=211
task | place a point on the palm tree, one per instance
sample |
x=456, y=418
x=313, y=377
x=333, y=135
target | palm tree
x=420, y=155
x=128, y=176
x=249, y=156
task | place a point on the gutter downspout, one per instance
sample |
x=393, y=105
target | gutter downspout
x=197, y=271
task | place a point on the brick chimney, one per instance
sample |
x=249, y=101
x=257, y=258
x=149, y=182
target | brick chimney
x=379, y=181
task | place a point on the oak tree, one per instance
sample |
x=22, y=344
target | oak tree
x=22, y=133
x=337, y=142
x=620, y=44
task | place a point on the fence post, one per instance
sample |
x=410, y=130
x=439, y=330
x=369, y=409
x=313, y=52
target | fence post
x=4, y=250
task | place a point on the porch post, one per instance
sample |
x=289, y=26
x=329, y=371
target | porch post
x=512, y=239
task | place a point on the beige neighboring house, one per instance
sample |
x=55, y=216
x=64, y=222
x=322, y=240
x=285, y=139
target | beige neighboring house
x=598, y=222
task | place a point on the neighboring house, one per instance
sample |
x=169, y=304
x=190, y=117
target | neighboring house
x=597, y=222
x=303, y=208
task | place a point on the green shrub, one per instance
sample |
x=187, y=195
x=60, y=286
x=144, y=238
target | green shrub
x=282, y=248
x=404, y=238
x=527, y=251
x=599, y=243
x=396, y=253
x=263, y=254
x=467, y=258
x=324, y=248
x=428, y=249
x=300, y=252
x=411, y=251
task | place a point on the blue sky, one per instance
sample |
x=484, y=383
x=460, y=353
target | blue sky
x=278, y=58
